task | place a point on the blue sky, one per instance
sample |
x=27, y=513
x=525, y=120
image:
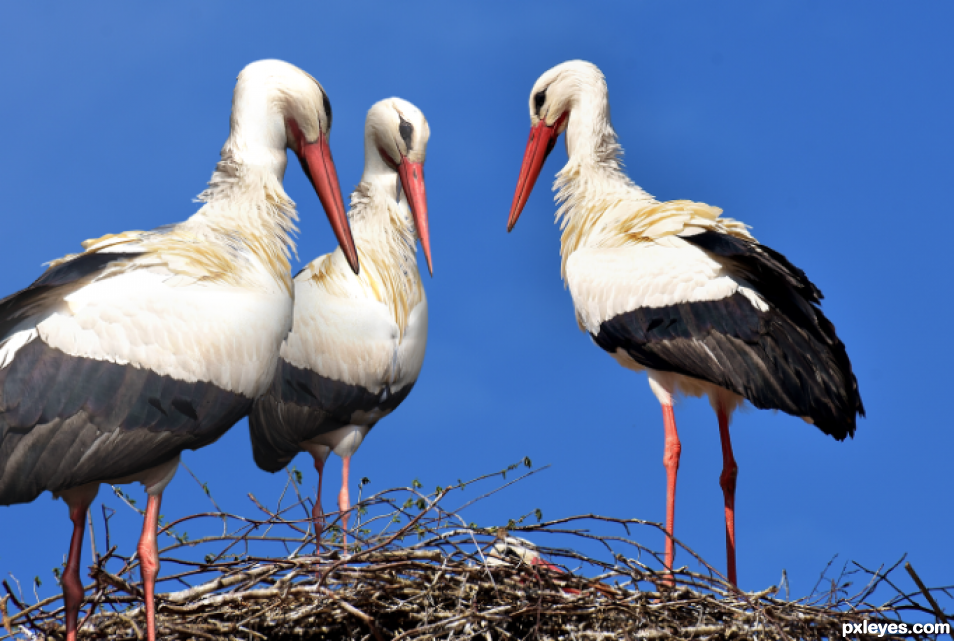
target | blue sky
x=825, y=126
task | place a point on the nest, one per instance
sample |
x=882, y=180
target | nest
x=416, y=570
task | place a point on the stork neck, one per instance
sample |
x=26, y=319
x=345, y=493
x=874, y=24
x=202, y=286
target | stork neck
x=246, y=202
x=385, y=236
x=593, y=189
x=380, y=214
x=590, y=137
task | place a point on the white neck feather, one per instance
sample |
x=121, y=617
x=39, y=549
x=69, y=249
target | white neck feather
x=593, y=190
x=385, y=236
x=381, y=220
x=245, y=193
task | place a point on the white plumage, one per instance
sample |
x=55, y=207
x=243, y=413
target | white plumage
x=354, y=339
x=151, y=342
x=358, y=341
x=678, y=290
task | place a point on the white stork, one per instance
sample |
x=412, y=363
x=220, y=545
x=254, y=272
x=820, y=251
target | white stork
x=152, y=342
x=679, y=291
x=358, y=341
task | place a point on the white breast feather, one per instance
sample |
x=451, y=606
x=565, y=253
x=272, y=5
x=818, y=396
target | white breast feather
x=354, y=340
x=410, y=355
x=346, y=339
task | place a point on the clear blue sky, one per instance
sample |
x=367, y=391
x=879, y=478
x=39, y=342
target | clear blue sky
x=825, y=126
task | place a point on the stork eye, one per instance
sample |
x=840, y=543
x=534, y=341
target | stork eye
x=539, y=99
x=406, y=130
x=327, y=105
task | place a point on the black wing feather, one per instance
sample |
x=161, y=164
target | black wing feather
x=302, y=404
x=66, y=421
x=787, y=358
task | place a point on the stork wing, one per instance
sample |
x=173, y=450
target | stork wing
x=107, y=371
x=724, y=310
x=30, y=305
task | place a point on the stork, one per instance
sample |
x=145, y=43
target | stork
x=357, y=344
x=679, y=291
x=149, y=343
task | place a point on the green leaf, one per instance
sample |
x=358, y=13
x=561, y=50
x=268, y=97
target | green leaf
x=37, y=580
x=527, y=462
x=364, y=481
x=416, y=484
x=421, y=504
x=539, y=514
x=439, y=490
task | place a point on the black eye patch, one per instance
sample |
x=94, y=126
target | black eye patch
x=406, y=130
x=327, y=104
x=539, y=99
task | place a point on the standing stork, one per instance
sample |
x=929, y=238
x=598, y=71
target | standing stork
x=150, y=343
x=677, y=290
x=358, y=340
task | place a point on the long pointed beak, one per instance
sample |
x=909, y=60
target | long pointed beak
x=542, y=139
x=320, y=169
x=412, y=180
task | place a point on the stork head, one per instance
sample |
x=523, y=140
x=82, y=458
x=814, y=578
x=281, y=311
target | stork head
x=290, y=109
x=552, y=100
x=397, y=132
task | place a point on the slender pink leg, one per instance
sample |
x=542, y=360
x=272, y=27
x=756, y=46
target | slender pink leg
x=671, y=462
x=72, y=586
x=727, y=480
x=344, y=502
x=149, y=561
x=317, y=514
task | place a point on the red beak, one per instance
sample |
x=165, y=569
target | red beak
x=320, y=168
x=542, y=139
x=412, y=180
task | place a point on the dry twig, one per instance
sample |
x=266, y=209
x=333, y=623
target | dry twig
x=418, y=572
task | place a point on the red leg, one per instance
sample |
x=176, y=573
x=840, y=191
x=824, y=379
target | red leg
x=671, y=462
x=149, y=561
x=317, y=514
x=344, y=502
x=727, y=480
x=72, y=585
